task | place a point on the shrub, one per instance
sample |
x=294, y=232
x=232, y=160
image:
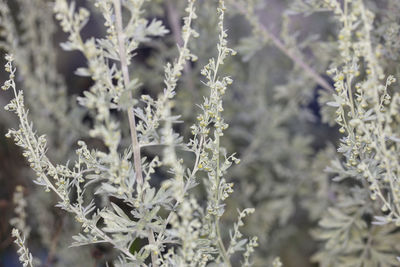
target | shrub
x=151, y=166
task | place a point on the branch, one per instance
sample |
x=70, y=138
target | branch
x=125, y=73
x=132, y=123
x=267, y=35
x=174, y=22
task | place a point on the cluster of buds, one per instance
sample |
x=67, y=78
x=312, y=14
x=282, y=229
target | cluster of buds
x=9, y=68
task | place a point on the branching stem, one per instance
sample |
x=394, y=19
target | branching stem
x=131, y=115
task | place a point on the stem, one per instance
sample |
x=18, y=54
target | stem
x=174, y=21
x=217, y=176
x=132, y=123
x=222, y=247
x=125, y=73
x=220, y=242
x=348, y=76
x=381, y=136
x=22, y=115
x=267, y=35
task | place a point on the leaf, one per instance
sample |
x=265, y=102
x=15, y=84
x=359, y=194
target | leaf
x=119, y=211
x=156, y=28
x=380, y=220
x=84, y=72
x=67, y=46
x=239, y=245
x=333, y=104
x=149, y=196
x=106, y=188
x=126, y=100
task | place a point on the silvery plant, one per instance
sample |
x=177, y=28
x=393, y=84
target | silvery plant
x=274, y=146
x=177, y=228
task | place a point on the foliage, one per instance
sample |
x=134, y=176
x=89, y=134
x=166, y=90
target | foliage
x=146, y=157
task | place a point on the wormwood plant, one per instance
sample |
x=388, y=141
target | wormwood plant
x=29, y=37
x=156, y=189
x=349, y=228
x=188, y=233
x=360, y=229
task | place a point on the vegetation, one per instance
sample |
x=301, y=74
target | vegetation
x=204, y=133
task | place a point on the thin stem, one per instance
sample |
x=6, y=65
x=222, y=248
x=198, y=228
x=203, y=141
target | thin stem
x=153, y=242
x=125, y=73
x=348, y=76
x=381, y=134
x=194, y=171
x=217, y=175
x=267, y=35
x=22, y=115
x=132, y=123
x=174, y=21
x=220, y=242
x=222, y=246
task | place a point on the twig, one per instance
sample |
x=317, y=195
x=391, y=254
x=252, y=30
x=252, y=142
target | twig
x=174, y=22
x=267, y=35
x=125, y=73
x=132, y=123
